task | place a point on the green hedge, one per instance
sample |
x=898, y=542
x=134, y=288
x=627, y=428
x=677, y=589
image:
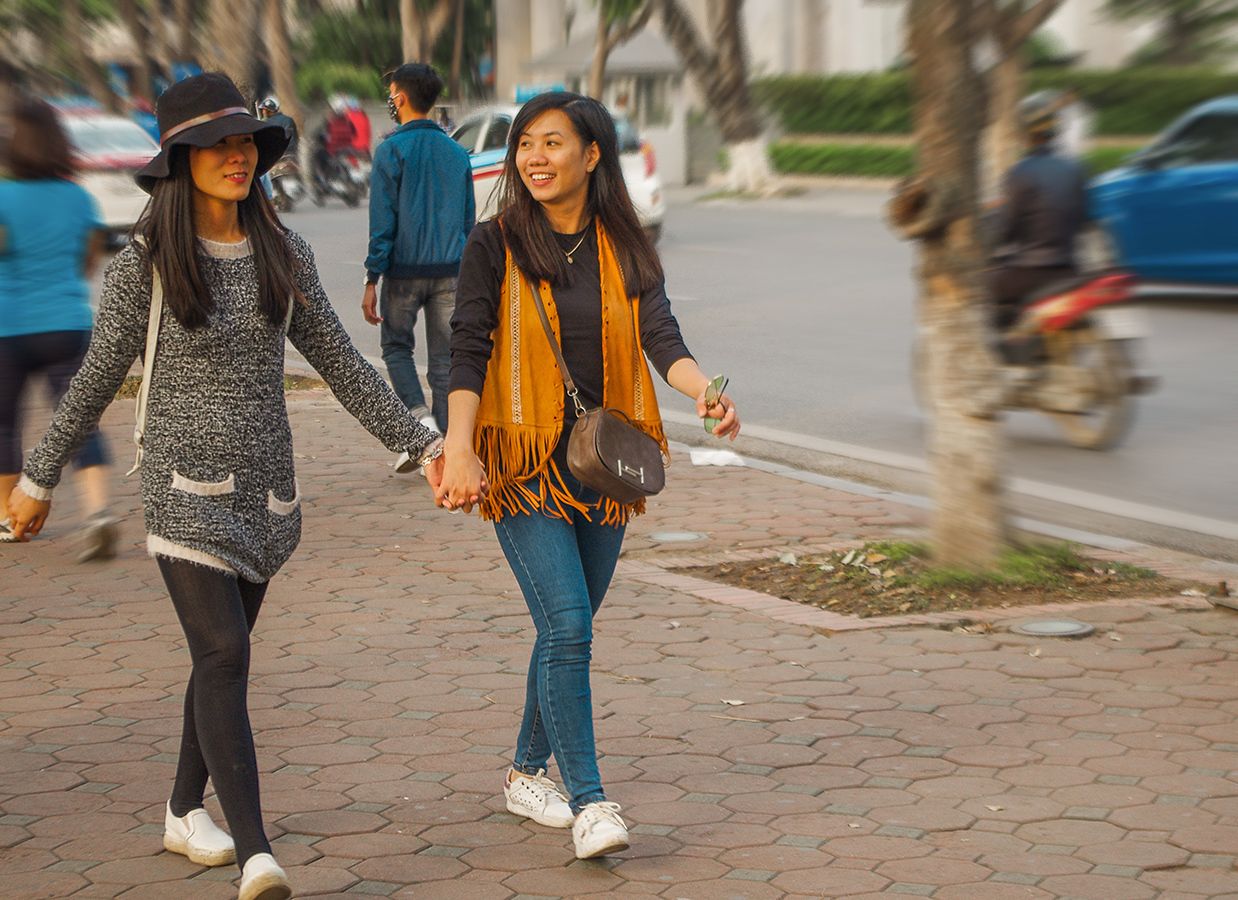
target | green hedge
x=319, y=80
x=884, y=161
x=1128, y=101
x=867, y=160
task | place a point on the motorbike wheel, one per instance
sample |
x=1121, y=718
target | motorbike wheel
x=352, y=196
x=1107, y=423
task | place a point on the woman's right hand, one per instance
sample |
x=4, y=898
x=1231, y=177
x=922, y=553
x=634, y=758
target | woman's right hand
x=463, y=482
x=26, y=514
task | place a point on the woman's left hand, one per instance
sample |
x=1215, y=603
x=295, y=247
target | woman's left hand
x=723, y=410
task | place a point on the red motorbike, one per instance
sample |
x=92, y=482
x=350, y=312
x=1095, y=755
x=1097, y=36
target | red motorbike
x=1073, y=355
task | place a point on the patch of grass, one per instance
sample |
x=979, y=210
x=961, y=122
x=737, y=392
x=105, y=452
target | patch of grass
x=895, y=577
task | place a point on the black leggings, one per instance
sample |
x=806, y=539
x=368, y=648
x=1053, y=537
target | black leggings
x=217, y=612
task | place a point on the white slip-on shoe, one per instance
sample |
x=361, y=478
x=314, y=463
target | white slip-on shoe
x=536, y=797
x=599, y=830
x=263, y=879
x=196, y=836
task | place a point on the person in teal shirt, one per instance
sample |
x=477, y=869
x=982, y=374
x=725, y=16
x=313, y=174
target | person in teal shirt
x=51, y=241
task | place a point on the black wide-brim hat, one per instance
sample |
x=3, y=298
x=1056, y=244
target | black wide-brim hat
x=200, y=112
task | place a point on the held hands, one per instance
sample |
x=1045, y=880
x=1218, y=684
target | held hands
x=458, y=479
x=369, y=305
x=723, y=410
x=26, y=515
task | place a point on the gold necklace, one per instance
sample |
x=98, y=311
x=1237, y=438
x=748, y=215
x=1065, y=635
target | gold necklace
x=568, y=253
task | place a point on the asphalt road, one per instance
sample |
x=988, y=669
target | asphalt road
x=807, y=303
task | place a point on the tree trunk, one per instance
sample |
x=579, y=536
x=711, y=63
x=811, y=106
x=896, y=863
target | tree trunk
x=1004, y=136
x=722, y=76
x=457, y=55
x=81, y=64
x=938, y=208
x=421, y=31
x=187, y=41
x=140, y=83
x=601, y=50
x=234, y=29
x=279, y=57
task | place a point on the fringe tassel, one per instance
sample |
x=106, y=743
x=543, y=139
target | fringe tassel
x=506, y=450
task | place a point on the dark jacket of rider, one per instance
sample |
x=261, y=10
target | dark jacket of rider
x=1046, y=207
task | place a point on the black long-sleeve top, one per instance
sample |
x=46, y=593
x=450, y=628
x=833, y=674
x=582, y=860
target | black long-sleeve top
x=579, y=304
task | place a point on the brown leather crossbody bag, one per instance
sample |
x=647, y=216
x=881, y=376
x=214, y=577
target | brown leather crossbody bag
x=606, y=452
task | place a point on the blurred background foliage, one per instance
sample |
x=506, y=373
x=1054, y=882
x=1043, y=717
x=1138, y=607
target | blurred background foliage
x=334, y=50
x=1133, y=101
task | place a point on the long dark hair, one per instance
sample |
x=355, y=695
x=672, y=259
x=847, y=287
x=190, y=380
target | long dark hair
x=167, y=226
x=526, y=228
x=40, y=148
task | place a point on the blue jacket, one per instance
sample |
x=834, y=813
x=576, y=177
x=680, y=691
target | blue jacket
x=421, y=204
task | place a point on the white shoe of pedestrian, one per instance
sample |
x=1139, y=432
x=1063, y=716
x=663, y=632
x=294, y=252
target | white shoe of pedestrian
x=536, y=797
x=196, y=836
x=263, y=879
x=429, y=422
x=599, y=830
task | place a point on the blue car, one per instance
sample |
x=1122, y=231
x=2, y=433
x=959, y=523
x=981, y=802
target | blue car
x=1171, y=211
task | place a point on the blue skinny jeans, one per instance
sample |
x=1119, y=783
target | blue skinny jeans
x=564, y=567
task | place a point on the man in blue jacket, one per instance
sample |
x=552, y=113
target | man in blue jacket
x=421, y=212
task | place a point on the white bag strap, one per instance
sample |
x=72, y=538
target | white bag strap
x=148, y=361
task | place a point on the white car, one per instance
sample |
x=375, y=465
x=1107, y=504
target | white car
x=110, y=149
x=484, y=135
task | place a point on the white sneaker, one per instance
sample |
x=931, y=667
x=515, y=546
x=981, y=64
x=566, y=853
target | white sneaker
x=196, y=836
x=263, y=879
x=429, y=422
x=599, y=830
x=536, y=797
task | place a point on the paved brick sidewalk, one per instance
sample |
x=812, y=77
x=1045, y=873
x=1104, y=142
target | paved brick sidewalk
x=389, y=673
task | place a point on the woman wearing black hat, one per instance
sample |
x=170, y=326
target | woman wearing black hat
x=218, y=487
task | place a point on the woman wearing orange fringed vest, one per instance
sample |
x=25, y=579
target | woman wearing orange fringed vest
x=567, y=229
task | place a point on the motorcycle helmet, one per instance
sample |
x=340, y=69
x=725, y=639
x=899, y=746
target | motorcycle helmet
x=268, y=108
x=338, y=104
x=1041, y=114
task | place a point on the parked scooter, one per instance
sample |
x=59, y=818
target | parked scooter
x=1073, y=355
x=287, y=186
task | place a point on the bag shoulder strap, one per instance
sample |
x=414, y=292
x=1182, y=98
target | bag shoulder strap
x=148, y=360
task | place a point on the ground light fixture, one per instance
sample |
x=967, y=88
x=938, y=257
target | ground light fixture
x=675, y=537
x=1061, y=628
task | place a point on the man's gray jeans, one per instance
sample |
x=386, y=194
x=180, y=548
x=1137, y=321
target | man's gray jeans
x=399, y=303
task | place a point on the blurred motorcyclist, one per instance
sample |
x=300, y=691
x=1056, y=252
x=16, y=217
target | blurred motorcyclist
x=268, y=111
x=1044, y=209
x=361, y=125
x=338, y=135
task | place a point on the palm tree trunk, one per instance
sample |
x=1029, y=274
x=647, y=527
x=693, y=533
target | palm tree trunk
x=187, y=41
x=279, y=57
x=722, y=76
x=140, y=85
x=938, y=208
x=601, y=49
x=457, y=54
x=81, y=64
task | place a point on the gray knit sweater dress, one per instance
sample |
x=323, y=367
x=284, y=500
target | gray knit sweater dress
x=218, y=484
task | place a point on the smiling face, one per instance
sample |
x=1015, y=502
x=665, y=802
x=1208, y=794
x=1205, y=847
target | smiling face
x=226, y=171
x=554, y=165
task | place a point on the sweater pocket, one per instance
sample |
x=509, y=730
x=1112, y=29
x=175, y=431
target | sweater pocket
x=285, y=507
x=203, y=488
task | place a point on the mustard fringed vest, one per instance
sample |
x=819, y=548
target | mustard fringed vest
x=520, y=417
